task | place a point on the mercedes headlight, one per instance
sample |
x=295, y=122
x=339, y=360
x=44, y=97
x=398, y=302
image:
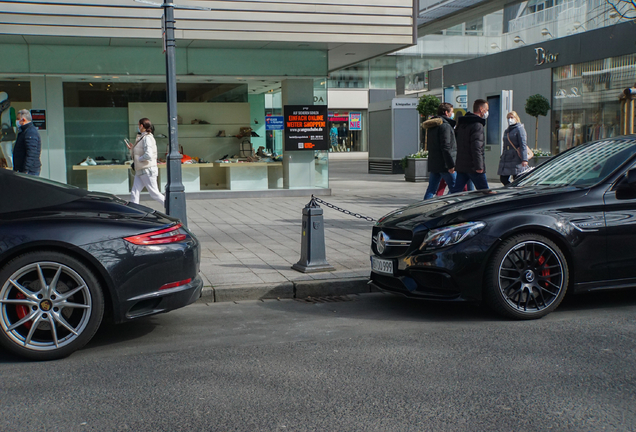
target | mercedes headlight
x=450, y=235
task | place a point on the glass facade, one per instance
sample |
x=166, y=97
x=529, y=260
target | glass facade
x=516, y=25
x=585, y=104
x=223, y=139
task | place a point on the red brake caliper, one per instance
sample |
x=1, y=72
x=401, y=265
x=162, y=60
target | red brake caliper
x=22, y=311
x=544, y=272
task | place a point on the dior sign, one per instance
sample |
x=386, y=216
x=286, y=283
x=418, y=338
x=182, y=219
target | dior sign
x=544, y=57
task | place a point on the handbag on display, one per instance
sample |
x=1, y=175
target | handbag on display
x=528, y=149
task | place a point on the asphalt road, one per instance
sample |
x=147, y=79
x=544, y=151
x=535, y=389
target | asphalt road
x=373, y=363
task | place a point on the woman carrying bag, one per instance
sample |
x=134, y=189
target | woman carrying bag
x=515, y=155
x=144, y=153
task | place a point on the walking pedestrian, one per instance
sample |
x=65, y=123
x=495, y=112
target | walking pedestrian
x=442, y=149
x=144, y=153
x=470, y=163
x=514, y=158
x=28, y=145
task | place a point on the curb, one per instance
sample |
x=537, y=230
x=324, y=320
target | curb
x=286, y=290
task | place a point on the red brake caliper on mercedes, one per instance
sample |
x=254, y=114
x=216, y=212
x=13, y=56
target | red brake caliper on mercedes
x=544, y=272
x=22, y=311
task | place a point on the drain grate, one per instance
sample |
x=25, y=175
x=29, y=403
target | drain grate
x=332, y=299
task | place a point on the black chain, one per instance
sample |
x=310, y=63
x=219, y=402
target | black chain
x=315, y=199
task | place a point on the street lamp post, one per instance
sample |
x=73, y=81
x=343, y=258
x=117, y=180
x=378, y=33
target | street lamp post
x=175, y=192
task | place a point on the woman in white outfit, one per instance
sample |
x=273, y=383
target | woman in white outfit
x=144, y=153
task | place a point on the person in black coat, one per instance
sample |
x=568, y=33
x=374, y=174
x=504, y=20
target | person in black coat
x=470, y=163
x=442, y=149
x=28, y=146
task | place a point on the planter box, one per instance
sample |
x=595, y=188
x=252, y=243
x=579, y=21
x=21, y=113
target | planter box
x=538, y=160
x=416, y=170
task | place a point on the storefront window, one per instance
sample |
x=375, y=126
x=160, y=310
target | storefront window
x=585, y=104
x=14, y=96
x=347, y=130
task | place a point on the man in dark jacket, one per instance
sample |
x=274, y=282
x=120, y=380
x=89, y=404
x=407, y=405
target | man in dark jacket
x=470, y=164
x=442, y=149
x=28, y=145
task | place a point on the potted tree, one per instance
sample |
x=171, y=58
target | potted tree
x=416, y=165
x=536, y=106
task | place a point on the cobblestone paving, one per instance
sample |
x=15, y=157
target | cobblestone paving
x=256, y=240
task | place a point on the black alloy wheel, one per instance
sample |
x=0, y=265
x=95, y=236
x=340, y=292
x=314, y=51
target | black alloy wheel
x=526, y=278
x=51, y=305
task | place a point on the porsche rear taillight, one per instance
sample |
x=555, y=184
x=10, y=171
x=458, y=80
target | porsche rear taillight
x=173, y=234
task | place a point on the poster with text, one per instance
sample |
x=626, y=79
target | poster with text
x=306, y=127
x=355, y=121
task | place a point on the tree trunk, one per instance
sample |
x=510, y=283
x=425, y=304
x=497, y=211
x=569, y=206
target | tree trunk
x=536, y=134
x=425, y=139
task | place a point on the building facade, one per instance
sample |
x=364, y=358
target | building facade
x=89, y=69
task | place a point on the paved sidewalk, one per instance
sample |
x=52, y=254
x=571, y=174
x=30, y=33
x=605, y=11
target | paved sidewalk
x=250, y=244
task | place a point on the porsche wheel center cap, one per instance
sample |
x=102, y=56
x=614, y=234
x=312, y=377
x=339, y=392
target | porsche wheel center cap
x=46, y=305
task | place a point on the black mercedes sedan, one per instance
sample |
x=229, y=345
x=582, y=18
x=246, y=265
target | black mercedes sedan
x=69, y=258
x=570, y=224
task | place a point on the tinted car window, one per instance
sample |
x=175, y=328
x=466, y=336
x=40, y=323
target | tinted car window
x=24, y=192
x=583, y=166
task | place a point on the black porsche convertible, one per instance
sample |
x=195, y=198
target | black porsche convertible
x=69, y=257
x=570, y=224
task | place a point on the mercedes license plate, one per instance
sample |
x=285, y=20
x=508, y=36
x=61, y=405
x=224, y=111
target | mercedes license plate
x=380, y=265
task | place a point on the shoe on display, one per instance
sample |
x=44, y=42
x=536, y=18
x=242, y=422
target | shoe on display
x=221, y=133
x=91, y=161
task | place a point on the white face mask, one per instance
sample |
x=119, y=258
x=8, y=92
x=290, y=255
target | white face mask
x=486, y=115
x=452, y=116
x=512, y=121
x=138, y=129
x=17, y=124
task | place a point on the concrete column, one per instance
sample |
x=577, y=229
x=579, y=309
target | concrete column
x=299, y=171
x=47, y=94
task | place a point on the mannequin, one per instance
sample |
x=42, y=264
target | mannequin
x=7, y=125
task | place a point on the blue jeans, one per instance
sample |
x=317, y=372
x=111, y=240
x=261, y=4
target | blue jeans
x=433, y=183
x=479, y=180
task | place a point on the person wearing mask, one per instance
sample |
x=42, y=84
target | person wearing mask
x=28, y=145
x=470, y=163
x=514, y=158
x=144, y=155
x=442, y=149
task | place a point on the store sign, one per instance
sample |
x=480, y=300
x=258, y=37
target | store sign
x=355, y=121
x=306, y=127
x=338, y=116
x=39, y=119
x=543, y=57
x=574, y=92
x=274, y=123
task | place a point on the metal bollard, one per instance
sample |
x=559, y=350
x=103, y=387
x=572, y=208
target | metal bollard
x=312, y=251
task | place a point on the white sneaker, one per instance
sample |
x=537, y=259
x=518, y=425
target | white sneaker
x=91, y=161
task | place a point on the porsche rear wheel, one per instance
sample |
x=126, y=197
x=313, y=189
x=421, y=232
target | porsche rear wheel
x=51, y=305
x=527, y=277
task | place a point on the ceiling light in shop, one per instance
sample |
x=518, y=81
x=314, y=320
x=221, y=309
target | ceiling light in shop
x=90, y=84
x=97, y=76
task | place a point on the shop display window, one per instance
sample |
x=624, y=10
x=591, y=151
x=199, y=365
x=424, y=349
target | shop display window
x=14, y=96
x=585, y=104
x=346, y=131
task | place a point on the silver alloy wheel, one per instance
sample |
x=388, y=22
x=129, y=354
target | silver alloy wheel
x=44, y=306
x=530, y=276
